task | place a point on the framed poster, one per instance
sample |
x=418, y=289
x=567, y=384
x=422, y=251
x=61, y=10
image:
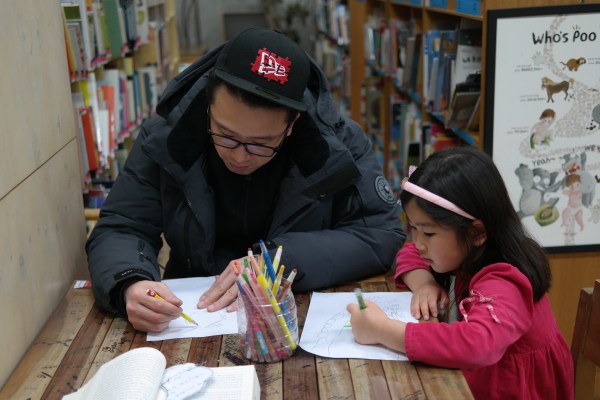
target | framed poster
x=542, y=119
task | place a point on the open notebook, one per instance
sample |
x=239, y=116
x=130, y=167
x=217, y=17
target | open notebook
x=141, y=374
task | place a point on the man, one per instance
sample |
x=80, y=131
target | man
x=247, y=145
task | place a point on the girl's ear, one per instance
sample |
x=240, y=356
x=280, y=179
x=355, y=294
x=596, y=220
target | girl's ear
x=479, y=233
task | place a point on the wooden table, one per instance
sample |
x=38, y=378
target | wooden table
x=79, y=337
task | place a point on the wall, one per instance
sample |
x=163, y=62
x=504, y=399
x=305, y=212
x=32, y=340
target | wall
x=43, y=230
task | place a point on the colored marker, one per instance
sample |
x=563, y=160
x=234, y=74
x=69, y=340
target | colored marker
x=286, y=285
x=277, y=257
x=359, y=297
x=183, y=315
x=267, y=257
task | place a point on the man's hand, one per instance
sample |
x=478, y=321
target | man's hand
x=222, y=293
x=149, y=314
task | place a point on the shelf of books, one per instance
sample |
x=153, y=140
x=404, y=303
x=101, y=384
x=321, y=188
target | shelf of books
x=332, y=20
x=121, y=54
x=422, y=87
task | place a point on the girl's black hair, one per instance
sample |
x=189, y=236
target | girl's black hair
x=467, y=177
x=251, y=100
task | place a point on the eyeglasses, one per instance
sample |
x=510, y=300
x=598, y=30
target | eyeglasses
x=252, y=148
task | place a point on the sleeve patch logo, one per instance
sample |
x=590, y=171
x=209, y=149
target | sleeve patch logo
x=384, y=191
x=271, y=67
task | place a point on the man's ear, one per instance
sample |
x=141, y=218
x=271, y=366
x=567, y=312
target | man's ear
x=479, y=233
x=292, y=125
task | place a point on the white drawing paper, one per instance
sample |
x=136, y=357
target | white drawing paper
x=327, y=331
x=215, y=323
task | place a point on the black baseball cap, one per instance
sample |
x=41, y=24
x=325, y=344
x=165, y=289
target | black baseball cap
x=268, y=64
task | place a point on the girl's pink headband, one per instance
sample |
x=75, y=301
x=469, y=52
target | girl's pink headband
x=432, y=197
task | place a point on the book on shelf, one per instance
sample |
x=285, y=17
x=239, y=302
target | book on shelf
x=399, y=140
x=431, y=49
x=343, y=21
x=410, y=77
x=464, y=100
x=474, y=119
x=462, y=107
x=113, y=17
x=107, y=96
x=77, y=20
x=439, y=93
x=89, y=134
x=141, y=10
x=130, y=23
x=406, y=129
x=437, y=137
x=373, y=102
x=77, y=100
x=102, y=54
x=468, y=54
x=141, y=374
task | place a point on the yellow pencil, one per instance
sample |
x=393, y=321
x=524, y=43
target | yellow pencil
x=183, y=315
x=278, y=280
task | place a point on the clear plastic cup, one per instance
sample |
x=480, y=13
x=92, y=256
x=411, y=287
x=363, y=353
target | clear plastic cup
x=267, y=333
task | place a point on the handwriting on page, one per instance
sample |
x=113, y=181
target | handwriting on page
x=184, y=380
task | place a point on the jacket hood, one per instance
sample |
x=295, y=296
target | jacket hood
x=316, y=94
x=183, y=106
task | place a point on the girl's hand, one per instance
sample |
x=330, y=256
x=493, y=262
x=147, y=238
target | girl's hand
x=366, y=323
x=429, y=299
x=372, y=326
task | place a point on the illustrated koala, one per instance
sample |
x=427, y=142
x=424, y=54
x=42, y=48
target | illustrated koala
x=536, y=184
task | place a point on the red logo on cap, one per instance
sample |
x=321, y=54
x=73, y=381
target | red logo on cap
x=271, y=67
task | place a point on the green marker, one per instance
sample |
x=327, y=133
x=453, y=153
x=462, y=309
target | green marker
x=359, y=297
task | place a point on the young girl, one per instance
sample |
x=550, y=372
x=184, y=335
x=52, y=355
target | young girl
x=463, y=224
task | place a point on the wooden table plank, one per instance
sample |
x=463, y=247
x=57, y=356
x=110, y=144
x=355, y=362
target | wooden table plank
x=403, y=380
x=368, y=379
x=205, y=351
x=74, y=367
x=335, y=381
x=38, y=366
x=299, y=371
x=141, y=340
x=117, y=341
x=176, y=351
x=270, y=376
x=440, y=383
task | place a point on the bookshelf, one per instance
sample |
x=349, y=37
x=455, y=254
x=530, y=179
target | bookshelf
x=402, y=106
x=121, y=54
x=571, y=271
x=331, y=48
